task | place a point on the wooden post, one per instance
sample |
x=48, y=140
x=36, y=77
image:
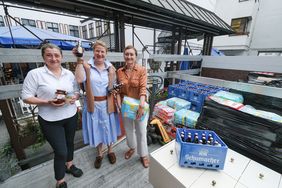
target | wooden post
x=6, y=112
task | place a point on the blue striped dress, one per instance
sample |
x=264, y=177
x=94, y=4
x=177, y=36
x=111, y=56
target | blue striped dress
x=99, y=126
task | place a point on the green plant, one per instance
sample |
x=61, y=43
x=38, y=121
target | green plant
x=32, y=127
x=6, y=150
x=8, y=162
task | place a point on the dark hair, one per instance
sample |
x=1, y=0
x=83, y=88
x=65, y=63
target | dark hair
x=99, y=43
x=49, y=45
x=130, y=47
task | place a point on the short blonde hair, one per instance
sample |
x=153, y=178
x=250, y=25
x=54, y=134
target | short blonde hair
x=100, y=43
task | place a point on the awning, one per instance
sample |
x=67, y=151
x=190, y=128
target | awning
x=25, y=39
x=170, y=15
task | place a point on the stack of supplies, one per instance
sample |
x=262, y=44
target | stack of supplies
x=164, y=112
x=230, y=96
x=130, y=106
x=186, y=117
x=178, y=104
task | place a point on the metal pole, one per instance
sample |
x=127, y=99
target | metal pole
x=116, y=23
x=154, y=45
x=133, y=28
x=122, y=32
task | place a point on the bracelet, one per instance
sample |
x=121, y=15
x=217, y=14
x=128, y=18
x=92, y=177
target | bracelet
x=80, y=60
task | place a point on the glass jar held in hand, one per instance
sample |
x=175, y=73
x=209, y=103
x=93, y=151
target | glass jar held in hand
x=60, y=96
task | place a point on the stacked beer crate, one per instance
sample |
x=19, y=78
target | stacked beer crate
x=193, y=92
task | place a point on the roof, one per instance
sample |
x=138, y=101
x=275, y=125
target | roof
x=167, y=15
x=23, y=38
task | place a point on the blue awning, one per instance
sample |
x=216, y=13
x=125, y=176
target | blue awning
x=24, y=39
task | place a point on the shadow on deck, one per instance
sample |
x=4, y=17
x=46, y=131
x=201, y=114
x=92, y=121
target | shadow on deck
x=123, y=174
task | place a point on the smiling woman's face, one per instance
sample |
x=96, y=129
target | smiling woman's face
x=52, y=58
x=130, y=56
x=99, y=54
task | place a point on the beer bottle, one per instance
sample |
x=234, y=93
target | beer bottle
x=189, y=138
x=182, y=136
x=211, y=140
x=79, y=49
x=210, y=136
x=204, y=140
x=200, y=141
x=196, y=139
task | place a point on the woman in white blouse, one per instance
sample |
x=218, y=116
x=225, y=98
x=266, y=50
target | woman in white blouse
x=57, y=118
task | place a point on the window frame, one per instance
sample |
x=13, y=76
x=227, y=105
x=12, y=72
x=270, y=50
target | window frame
x=99, y=29
x=245, y=25
x=2, y=21
x=52, y=28
x=84, y=32
x=270, y=53
x=107, y=27
x=74, y=30
x=28, y=22
x=91, y=30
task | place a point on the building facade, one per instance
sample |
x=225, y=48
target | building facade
x=257, y=24
x=57, y=22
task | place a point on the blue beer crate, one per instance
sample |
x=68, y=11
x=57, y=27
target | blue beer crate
x=183, y=93
x=197, y=106
x=172, y=91
x=198, y=96
x=190, y=154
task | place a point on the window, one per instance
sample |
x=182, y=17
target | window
x=52, y=27
x=84, y=32
x=91, y=30
x=98, y=28
x=2, y=24
x=107, y=28
x=28, y=22
x=270, y=53
x=241, y=25
x=74, y=30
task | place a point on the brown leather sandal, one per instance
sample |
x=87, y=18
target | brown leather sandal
x=112, y=157
x=145, y=161
x=129, y=153
x=98, y=162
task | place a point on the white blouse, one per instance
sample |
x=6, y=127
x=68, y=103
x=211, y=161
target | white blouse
x=42, y=83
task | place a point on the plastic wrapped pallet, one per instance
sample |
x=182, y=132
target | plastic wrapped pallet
x=261, y=113
x=130, y=106
x=230, y=96
x=164, y=112
x=186, y=117
x=164, y=102
x=178, y=103
x=257, y=138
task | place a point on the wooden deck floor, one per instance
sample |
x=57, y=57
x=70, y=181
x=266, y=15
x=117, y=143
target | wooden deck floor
x=123, y=174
